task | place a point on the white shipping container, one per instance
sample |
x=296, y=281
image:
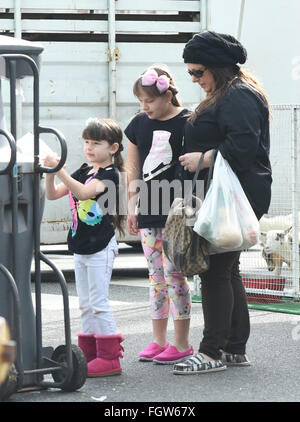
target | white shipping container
x=93, y=76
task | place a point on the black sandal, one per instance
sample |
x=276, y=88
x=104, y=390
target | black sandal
x=197, y=364
x=233, y=359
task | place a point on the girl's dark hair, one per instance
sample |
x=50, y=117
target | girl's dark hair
x=152, y=91
x=224, y=78
x=109, y=130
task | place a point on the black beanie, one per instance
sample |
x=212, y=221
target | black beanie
x=214, y=50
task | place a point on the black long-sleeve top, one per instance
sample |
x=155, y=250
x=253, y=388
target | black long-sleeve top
x=238, y=126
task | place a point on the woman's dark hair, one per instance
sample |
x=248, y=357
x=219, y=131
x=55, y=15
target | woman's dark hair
x=224, y=78
x=152, y=91
x=109, y=130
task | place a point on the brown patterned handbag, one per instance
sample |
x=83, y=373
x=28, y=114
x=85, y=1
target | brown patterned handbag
x=183, y=247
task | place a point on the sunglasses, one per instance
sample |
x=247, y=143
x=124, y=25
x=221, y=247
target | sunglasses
x=197, y=73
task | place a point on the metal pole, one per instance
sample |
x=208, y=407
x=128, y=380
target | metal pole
x=19, y=89
x=295, y=249
x=112, y=92
x=17, y=19
x=14, y=173
x=14, y=208
x=203, y=5
x=65, y=296
x=37, y=217
x=239, y=32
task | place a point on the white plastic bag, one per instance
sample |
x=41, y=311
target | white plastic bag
x=226, y=218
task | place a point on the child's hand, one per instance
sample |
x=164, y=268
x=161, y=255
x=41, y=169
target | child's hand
x=51, y=161
x=132, y=225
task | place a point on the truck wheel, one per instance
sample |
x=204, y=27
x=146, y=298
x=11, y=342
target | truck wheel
x=79, y=368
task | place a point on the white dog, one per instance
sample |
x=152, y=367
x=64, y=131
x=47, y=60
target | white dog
x=277, y=249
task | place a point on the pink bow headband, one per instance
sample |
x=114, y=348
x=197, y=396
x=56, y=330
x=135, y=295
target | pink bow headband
x=150, y=77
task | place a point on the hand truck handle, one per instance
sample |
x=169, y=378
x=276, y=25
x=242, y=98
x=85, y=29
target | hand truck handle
x=12, y=144
x=63, y=145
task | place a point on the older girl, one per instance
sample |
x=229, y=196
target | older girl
x=155, y=143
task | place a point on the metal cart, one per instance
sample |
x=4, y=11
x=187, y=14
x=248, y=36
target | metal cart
x=21, y=208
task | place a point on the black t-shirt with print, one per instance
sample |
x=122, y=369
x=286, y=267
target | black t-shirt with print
x=159, y=144
x=92, y=227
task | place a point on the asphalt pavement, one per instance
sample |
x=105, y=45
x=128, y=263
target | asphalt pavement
x=273, y=349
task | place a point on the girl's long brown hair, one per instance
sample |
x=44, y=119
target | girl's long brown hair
x=224, y=77
x=110, y=131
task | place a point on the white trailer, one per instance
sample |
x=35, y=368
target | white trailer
x=95, y=49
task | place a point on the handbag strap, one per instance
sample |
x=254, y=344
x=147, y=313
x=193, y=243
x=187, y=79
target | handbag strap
x=210, y=173
x=195, y=178
x=211, y=168
x=195, y=245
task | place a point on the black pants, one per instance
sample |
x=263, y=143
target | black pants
x=225, y=309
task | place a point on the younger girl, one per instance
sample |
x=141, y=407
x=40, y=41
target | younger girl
x=155, y=143
x=92, y=240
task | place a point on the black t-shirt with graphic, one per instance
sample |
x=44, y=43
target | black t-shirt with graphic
x=159, y=144
x=92, y=227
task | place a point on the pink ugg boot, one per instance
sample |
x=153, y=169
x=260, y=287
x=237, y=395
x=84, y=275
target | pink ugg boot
x=87, y=344
x=108, y=353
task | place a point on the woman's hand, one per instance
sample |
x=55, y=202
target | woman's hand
x=190, y=160
x=132, y=225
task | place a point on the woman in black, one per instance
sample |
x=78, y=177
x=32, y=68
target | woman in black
x=234, y=120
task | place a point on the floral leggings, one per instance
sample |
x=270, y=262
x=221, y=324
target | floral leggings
x=168, y=288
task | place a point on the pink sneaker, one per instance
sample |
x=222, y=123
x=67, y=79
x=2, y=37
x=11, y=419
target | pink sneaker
x=152, y=350
x=172, y=355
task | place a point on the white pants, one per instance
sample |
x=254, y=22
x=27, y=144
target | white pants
x=92, y=277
